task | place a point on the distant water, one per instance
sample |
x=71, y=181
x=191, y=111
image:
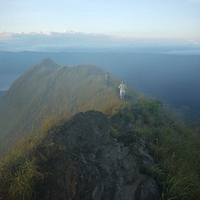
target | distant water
x=7, y=80
x=185, y=52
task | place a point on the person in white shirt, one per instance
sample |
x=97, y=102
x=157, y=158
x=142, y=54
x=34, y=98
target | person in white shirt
x=122, y=88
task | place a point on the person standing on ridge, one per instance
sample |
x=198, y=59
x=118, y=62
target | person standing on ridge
x=107, y=78
x=122, y=88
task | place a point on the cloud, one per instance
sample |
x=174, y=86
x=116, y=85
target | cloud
x=38, y=40
x=68, y=39
x=5, y=36
x=193, y=41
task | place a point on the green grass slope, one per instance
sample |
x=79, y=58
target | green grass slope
x=175, y=148
x=48, y=89
x=41, y=100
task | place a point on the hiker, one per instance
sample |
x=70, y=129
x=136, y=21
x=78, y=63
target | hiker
x=122, y=88
x=107, y=78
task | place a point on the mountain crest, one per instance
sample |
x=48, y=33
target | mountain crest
x=48, y=87
x=47, y=62
x=92, y=155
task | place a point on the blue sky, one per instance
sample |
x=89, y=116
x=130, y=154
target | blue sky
x=27, y=24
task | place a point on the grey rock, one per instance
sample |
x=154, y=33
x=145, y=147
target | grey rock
x=85, y=163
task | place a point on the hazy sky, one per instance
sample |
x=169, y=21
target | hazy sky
x=74, y=22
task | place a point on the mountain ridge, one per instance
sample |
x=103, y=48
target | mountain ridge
x=48, y=89
x=168, y=77
x=135, y=141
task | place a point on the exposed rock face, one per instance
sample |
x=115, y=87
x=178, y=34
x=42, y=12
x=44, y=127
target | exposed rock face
x=87, y=163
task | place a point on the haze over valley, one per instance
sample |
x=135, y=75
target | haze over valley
x=170, y=77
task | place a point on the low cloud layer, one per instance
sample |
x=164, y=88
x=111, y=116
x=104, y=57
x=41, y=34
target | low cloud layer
x=61, y=41
x=41, y=41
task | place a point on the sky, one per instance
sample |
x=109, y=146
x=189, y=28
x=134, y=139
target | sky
x=49, y=24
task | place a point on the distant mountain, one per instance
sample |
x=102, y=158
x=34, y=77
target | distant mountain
x=49, y=89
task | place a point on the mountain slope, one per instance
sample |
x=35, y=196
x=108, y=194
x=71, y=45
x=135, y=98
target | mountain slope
x=93, y=156
x=48, y=89
x=81, y=161
x=79, y=155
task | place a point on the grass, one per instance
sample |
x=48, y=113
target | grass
x=20, y=173
x=61, y=91
x=174, y=146
x=113, y=132
x=175, y=149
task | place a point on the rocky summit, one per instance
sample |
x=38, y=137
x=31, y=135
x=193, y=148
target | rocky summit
x=83, y=161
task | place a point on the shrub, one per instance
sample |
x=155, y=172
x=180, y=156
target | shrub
x=114, y=133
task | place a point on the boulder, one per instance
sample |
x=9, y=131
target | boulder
x=84, y=162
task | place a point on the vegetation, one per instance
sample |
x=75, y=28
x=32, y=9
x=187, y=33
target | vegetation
x=55, y=93
x=20, y=174
x=48, y=89
x=113, y=132
x=175, y=148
